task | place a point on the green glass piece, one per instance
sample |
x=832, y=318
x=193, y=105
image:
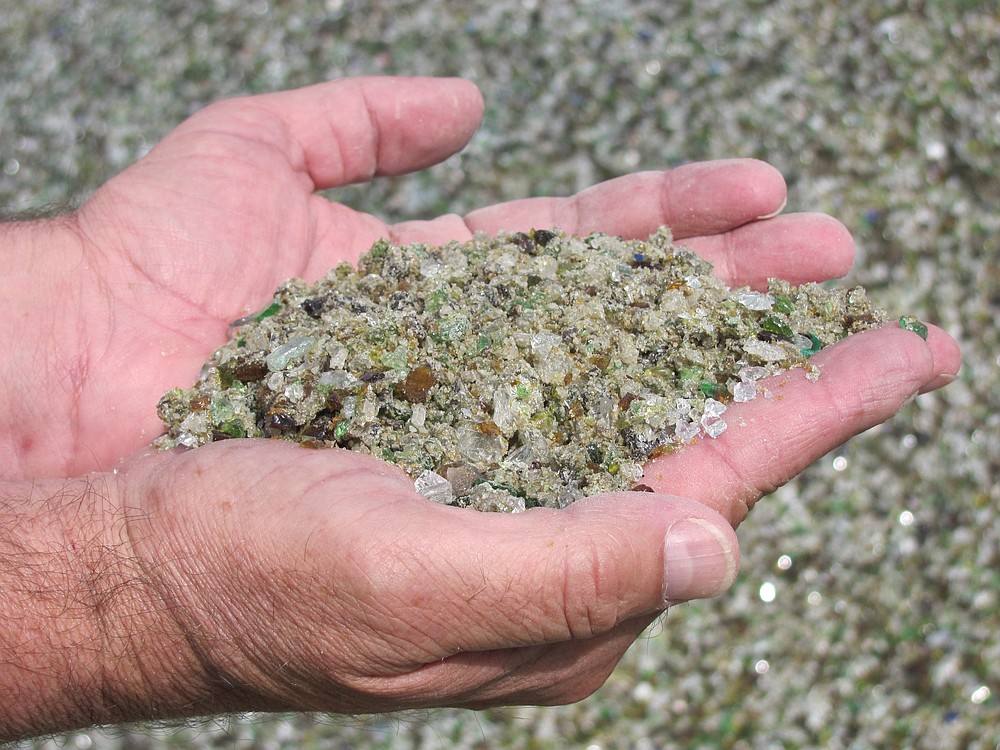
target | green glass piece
x=379, y=249
x=908, y=323
x=816, y=345
x=397, y=359
x=222, y=410
x=341, y=429
x=772, y=324
x=268, y=311
x=708, y=388
x=437, y=299
x=451, y=328
x=783, y=304
x=530, y=301
x=233, y=429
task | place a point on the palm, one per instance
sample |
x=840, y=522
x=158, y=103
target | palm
x=200, y=232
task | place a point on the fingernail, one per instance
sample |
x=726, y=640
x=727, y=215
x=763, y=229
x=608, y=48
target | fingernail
x=699, y=560
x=774, y=213
x=945, y=378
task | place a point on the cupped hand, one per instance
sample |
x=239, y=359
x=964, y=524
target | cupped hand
x=201, y=230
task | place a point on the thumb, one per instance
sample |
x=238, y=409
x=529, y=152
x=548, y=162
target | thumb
x=548, y=576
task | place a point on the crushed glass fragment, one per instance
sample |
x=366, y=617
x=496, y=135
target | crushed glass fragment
x=755, y=300
x=783, y=304
x=687, y=431
x=750, y=374
x=713, y=425
x=908, y=323
x=714, y=408
x=487, y=498
x=434, y=487
x=512, y=371
x=811, y=345
x=765, y=352
x=284, y=354
x=268, y=311
x=775, y=325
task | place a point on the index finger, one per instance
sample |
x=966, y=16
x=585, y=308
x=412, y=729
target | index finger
x=353, y=129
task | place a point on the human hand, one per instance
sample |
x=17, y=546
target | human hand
x=152, y=269
x=262, y=575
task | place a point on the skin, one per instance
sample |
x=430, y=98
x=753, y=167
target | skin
x=256, y=575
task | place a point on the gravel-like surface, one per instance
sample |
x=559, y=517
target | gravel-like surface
x=867, y=614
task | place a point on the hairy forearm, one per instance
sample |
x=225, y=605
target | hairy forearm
x=83, y=638
x=58, y=571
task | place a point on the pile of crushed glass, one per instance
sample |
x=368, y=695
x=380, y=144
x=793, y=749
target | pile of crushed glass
x=511, y=371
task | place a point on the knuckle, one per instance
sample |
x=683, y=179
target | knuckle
x=589, y=601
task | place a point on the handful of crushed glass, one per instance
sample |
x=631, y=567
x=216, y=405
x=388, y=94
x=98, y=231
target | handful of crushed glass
x=525, y=369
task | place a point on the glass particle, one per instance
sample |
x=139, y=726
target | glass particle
x=268, y=311
x=767, y=592
x=908, y=323
x=810, y=345
x=980, y=695
x=714, y=408
x=935, y=150
x=283, y=355
x=761, y=666
x=434, y=487
x=744, y=392
x=686, y=431
x=713, y=425
x=906, y=518
x=751, y=374
x=783, y=304
x=839, y=463
x=764, y=351
x=784, y=562
x=755, y=300
x=814, y=598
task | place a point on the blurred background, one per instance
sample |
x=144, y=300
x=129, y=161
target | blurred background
x=867, y=614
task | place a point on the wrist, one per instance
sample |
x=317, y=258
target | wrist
x=84, y=637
